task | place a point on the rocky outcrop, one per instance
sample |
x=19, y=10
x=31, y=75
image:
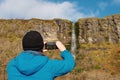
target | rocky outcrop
x=97, y=30
x=56, y=29
x=88, y=30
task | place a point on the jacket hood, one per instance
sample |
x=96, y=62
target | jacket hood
x=29, y=62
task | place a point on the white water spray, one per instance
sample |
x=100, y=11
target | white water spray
x=73, y=41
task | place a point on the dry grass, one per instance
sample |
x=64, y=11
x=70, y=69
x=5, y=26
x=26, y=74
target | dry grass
x=95, y=62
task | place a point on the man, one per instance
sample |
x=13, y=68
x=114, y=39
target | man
x=31, y=64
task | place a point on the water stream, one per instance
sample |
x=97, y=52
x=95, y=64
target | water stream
x=73, y=41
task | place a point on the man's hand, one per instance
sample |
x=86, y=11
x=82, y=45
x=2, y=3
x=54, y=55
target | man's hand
x=60, y=46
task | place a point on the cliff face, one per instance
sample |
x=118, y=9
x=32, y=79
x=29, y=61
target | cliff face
x=97, y=30
x=89, y=30
x=50, y=29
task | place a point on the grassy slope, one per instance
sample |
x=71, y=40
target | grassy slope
x=92, y=61
x=96, y=62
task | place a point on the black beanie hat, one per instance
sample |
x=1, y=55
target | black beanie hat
x=33, y=41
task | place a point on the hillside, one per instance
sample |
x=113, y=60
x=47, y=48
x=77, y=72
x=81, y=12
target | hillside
x=97, y=30
x=98, y=48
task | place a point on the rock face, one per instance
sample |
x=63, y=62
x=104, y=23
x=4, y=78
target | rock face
x=56, y=29
x=97, y=30
x=89, y=30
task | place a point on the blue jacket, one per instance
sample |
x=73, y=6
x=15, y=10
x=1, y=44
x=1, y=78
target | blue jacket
x=31, y=65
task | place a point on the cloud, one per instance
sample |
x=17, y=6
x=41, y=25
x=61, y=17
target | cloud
x=43, y=9
x=102, y=5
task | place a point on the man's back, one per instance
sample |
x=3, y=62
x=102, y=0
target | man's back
x=31, y=66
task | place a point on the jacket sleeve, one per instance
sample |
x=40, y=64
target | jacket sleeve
x=61, y=67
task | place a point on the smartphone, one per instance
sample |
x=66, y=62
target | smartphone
x=50, y=46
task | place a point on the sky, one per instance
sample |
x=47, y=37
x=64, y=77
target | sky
x=65, y=9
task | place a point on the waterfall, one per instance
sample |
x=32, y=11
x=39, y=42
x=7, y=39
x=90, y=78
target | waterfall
x=73, y=40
